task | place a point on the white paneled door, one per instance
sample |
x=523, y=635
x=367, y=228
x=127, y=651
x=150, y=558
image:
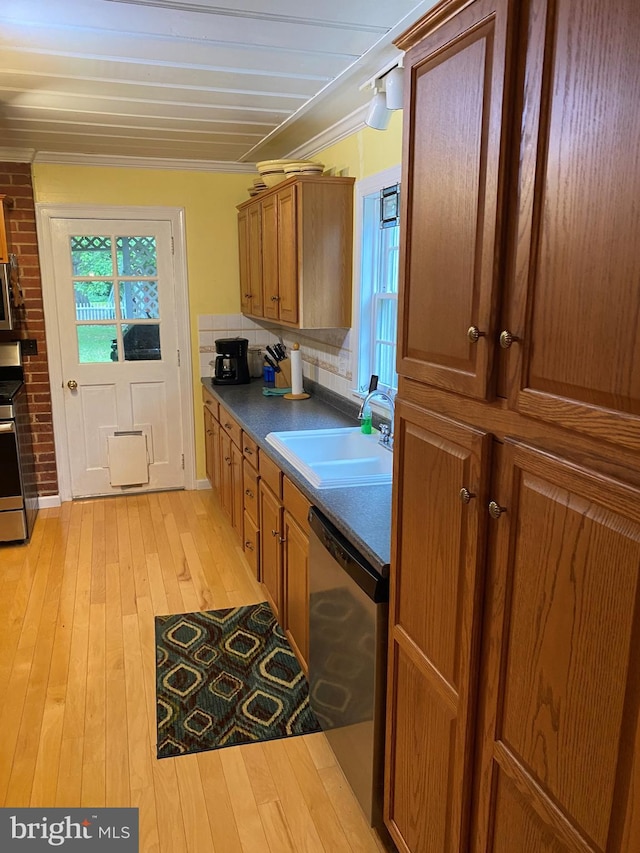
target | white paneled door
x=114, y=291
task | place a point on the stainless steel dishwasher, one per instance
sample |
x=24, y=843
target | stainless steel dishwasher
x=348, y=608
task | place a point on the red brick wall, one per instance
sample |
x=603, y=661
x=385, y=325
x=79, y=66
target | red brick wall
x=15, y=183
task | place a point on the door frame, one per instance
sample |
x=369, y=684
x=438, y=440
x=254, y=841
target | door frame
x=45, y=214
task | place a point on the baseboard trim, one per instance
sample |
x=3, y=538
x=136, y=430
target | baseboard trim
x=48, y=501
x=202, y=484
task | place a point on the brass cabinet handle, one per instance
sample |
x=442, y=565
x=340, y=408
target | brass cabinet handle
x=474, y=334
x=506, y=339
x=248, y=296
x=275, y=532
x=466, y=495
x=248, y=451
x=209, y=432
x=227, y=426
x=275, y=298
x=248, y=545
x=227, y=459
x=282, y=539
x=495, y=510
x=249, y=493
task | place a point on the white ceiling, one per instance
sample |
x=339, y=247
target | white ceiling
x=184, y=80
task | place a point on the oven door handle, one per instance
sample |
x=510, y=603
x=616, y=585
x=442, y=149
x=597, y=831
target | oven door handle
x=7, y=426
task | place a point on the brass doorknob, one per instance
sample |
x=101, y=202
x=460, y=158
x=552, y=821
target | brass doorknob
x=474, y=334
x=72, y=385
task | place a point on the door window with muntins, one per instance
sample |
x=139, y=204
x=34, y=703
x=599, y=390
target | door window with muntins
x=117, y=310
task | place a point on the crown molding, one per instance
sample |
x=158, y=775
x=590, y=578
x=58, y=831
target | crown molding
x=141, y=162
x=17, y=155
x=331, y=135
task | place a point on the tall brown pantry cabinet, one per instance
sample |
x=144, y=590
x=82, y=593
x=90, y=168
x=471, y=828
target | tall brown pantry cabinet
x=514, y=680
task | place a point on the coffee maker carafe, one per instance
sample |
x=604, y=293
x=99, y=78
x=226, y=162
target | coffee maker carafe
x=231, y=366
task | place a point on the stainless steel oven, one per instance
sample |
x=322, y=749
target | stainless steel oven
x=18, y=492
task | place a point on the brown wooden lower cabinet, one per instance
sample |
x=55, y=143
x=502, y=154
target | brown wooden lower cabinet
x=435, y=608
x=271, y=534
x=514, y=694
x=296, y=570
x=558, y=735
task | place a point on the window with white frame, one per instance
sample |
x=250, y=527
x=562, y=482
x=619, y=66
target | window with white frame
x=377, y=294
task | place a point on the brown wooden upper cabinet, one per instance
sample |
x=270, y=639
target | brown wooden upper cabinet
x=573, y=305
x=250, y=246
x=296, y=239
x=520, y=265
x=452, y=178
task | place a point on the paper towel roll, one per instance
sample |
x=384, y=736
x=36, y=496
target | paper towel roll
x=295, y=357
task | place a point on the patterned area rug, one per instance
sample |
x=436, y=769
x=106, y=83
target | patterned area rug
x=226, y=677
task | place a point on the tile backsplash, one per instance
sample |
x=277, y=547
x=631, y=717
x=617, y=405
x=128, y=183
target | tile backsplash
x=326, y=353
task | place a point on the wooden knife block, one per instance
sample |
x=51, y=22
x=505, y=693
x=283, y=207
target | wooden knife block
x=283, y=379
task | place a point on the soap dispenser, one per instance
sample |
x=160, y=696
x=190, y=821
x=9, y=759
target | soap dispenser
x=365, y=425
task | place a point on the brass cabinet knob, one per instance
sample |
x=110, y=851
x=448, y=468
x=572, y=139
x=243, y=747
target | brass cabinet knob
x=474, y=334
x=466, y=495
x=227, y=459
x=275, y=532
x=248, y=545
x=72, y=384
x=249, y=493
x=506, y=339
x=495, y=510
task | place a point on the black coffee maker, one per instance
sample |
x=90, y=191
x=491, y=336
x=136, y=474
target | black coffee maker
x=231, y=366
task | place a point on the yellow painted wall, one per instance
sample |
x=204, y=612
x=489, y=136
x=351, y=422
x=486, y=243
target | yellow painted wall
x=366, y=152
x=209, y=201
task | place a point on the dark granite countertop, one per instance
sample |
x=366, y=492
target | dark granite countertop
x=361, y=513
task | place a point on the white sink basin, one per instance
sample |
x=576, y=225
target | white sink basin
x=334, y=458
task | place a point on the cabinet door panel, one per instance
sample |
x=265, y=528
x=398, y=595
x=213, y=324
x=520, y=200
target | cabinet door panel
x=270, y=546
x=436, y=578
x=577, y=266
x=226, y=474
x=288, y=255
x=243, y=260
x=270, y=257
x=238, y=493
x=208, y=446
x=254, y=260
x=296, y=586
x=451, y=208
x=563, y=622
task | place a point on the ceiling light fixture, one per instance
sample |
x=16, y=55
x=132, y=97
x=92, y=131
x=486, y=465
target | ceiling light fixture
x=378, y=115
x=394, y=88
x=388, y=95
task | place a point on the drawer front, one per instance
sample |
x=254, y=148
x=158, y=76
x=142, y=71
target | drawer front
x=251, y=545
x=210, y=403
x=250, y=450
x=296, y=504
x=271, y=475
x=250, y=479
x=231, y=425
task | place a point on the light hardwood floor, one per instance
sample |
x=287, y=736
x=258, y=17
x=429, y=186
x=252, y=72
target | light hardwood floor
x=77, y=661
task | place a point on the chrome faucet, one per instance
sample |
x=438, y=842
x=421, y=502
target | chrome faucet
x=386, y=430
